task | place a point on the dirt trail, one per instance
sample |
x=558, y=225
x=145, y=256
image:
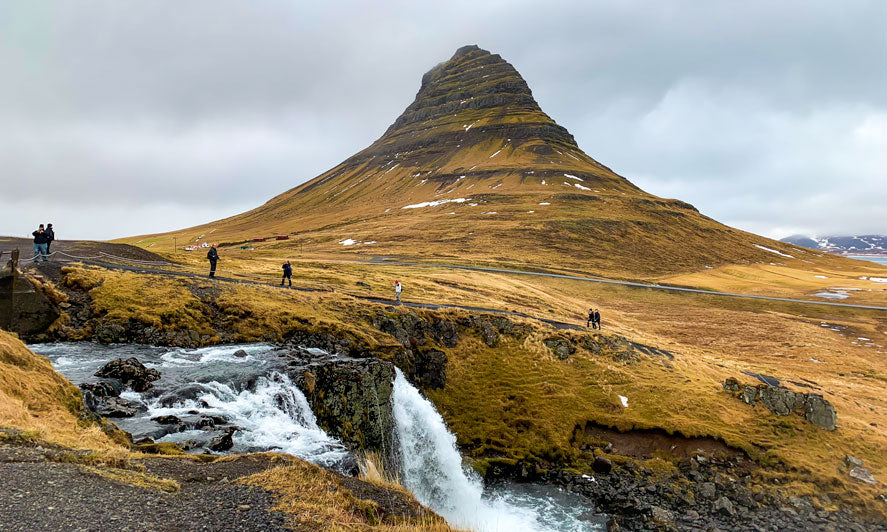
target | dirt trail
x=44, y=495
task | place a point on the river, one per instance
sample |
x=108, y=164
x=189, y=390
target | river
x=254, y=394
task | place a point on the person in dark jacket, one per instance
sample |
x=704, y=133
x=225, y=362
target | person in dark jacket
x=597, y=319
x=590, y=319
x=39, y=243
x=50, y=236
x=287, y=273
x=213, y=257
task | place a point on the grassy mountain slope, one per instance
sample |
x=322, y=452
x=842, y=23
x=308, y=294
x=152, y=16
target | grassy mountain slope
x=474, y=170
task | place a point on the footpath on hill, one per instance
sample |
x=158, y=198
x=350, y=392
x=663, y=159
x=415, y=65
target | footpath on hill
x=135, y=259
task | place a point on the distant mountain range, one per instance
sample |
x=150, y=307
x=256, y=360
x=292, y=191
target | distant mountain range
x=843, y=245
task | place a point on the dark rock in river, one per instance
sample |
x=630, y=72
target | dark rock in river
x=166, y=420
x=131, y=372
x=222, y=442
x=351, y=400
x=117, y=407
x=103, y=388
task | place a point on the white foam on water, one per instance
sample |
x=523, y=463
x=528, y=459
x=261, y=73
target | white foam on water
x=208, y=355
x=431, y=468
x=275, y=415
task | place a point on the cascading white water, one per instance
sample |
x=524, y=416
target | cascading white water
x=274, y=415
x=431, y=468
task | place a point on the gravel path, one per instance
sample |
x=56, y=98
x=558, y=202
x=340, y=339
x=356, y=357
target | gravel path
x=42, y=495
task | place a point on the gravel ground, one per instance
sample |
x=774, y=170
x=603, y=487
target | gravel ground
x=40, y=495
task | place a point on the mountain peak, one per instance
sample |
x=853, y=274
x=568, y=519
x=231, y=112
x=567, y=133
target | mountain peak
x=476, y=88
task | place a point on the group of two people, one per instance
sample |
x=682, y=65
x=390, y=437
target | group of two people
x=213, y=257
x=594, y=318
x=43, y=238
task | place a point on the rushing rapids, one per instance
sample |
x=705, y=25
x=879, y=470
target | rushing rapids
x=252, y=396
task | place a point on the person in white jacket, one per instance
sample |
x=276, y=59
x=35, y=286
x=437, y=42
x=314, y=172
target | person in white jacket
x=397, y=290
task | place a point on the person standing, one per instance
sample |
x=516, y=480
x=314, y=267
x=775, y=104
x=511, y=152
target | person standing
x=39, y=243
x=287, y=273
x=590, y=320
x=50, y=236
x=597, y=319
x=213, y=257
x=398, y=288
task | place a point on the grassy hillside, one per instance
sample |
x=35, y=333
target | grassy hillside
x=42, y=404
x=534, y=401
x=474, y=170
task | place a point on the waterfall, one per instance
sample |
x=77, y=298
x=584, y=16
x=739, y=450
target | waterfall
x=273, y=416
x=431, y=468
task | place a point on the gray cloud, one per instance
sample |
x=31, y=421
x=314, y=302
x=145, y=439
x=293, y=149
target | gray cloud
x=123, y=118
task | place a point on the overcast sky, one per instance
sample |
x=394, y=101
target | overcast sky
x=122, y=118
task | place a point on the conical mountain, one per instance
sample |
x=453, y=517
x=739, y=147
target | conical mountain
x=473, y=169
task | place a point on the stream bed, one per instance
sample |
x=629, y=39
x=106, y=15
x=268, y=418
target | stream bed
x=252, y=396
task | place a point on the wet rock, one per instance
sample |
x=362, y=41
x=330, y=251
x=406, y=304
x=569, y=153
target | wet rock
x=103, y=388
x=309, y=382
x=601, y=465
x=724, y=506
x=222, y=442
x=166, y=420
x=240, y=353
x=352, y=400
x=190, y=392
x=613, y=525
x=820, y=412
x=118, y=407
x=130, y=372
x=863, y=475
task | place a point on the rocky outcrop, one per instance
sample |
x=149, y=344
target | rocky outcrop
x=130, y=372
x=782, y=401
x=351, y=399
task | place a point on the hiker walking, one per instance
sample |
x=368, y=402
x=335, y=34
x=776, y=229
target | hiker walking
x=597, y=319
x=590, y=319
x=39, y=243
x=287, y=273
x=50, y=236
x=213, y=257
x=398, y=288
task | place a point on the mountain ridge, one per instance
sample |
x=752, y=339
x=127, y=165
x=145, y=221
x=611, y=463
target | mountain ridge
x=474, y=169
x=842, y=244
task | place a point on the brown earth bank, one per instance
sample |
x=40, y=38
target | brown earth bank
x=645, y=473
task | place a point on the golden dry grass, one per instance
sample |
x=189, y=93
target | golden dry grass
x=532, y=402
x=315, y=499
x=37, y=400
